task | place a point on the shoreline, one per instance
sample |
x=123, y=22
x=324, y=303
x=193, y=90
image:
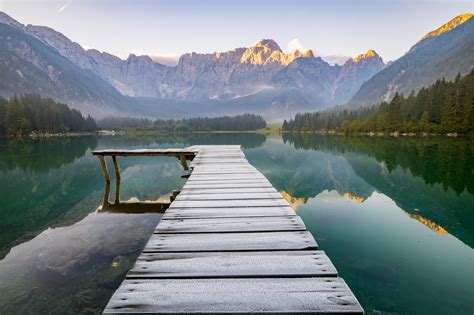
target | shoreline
x=395, y=134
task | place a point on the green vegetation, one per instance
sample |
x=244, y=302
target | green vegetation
x=271, y=130
x=244, y=122
x=32, y=113
x=444, y=107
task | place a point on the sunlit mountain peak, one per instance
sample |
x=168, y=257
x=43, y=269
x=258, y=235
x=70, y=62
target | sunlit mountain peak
x=308, y=54
x=369, y=54
x=458, y=20
x=268, y=44
x=267, y=51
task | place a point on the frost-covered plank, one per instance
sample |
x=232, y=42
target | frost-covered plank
x=227, y=185
x=200, y=213
x=227, y=191
x=227, y=196
x=229, y=203
x=226, y=225
x=233, y=264
x=274, y=295
x=231, y=242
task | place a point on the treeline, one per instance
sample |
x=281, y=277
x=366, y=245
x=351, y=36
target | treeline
x=33, y=113
x=226, y=123
x=444, y=107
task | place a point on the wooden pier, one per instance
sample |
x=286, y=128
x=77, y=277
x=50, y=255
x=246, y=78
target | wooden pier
x=229, y=243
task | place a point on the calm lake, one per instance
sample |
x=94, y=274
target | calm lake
x=395, y=215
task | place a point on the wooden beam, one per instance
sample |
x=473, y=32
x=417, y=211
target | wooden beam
x=147, y=152
x=105, y=172
x=184, y=163
x=117, y=180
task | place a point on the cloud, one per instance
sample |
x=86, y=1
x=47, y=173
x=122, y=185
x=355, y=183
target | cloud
x=335, y=59
x=164, y=59
x=61, y=9
x=168, y=60
x=295, y=44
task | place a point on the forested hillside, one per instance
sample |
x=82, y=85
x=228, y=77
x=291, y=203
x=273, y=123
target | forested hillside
x=443, y=107
x=225, y=123
x=32, y=113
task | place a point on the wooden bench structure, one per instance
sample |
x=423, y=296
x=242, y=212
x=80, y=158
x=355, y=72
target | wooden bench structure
x=229, y=243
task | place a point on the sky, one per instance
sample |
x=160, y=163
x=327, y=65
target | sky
x=170, y=28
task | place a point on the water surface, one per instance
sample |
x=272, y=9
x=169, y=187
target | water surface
x=395, y=215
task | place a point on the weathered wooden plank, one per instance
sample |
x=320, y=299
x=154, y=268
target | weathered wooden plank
x=234, y=196
x=228, y=225
x=227, y=185
x=221, y=164
x=233, y=264
x=220, y=161
x=228, y=181
x=205, y=191
x=228, y=242
x=220, y=167
x=147, y=152
x=199, y=213
x=228, y=177
x=229, y=203
x=225, y=172
x=274, y=295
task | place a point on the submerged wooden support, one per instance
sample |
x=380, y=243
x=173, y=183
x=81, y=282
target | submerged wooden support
x=117, y=180
x=181, y=154
x=184, y=163
x=230, y=243
x=105, y=172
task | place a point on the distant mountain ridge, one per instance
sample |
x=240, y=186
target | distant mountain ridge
x=259, y=79
x=261, y=74
x=442, y=53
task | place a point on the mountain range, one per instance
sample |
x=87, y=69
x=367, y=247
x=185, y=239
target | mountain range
x=442, y=53
x=259, y=79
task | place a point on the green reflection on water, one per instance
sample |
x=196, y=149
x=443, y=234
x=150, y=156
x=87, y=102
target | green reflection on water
x=396, y=216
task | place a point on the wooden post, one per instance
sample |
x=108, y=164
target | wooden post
x=174, y=194
x=117, y=180
x=105, y=171
x=184, y=163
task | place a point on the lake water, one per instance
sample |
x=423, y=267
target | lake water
x=395, y=215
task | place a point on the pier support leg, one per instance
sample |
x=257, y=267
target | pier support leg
x=184, y=163
x=103, y=164
x=117, y=181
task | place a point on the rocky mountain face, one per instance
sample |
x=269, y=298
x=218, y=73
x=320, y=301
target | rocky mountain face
x=27, y=65
x=442, y=53
x=262, y=73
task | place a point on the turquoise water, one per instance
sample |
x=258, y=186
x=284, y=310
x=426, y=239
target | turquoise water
x=395, y=215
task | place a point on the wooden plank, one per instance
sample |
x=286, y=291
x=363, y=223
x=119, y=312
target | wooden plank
x=228, y=225
x=224, y=181
x=147, y=152
x=274, y=295
x=233, y=196
x=228, y=203
x=228, y=177
x=233, y=264
x=228, y=242
x=224, y=167
x=226, y=185
x=205, y=191
x=199, y=213
x=225, y=172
